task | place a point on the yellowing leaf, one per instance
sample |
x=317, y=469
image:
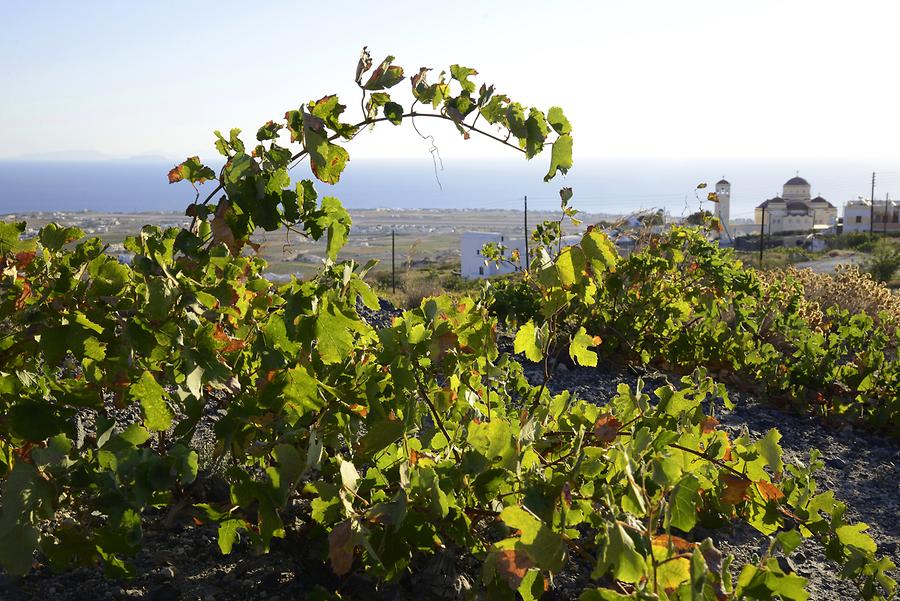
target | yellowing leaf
x=735, y=488
x=526, y=341
x=769, y=491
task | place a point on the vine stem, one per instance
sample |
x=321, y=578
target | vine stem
x=717, y=462
x=373, y=121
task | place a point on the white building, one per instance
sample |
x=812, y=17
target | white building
x=472, y=262
x=858, y=215
x=795, y=211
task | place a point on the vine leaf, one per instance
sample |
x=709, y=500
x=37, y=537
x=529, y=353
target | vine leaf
x=342, y=543
x=560, y=157
x=221, y=231
x=157, y=415
x=769, y=491
x=192, y=170
x=512, y=565
x=385, y=75
x=606, y=428
x=579, y=348
x=735, y=490
x=545, y=546
x=526, y=341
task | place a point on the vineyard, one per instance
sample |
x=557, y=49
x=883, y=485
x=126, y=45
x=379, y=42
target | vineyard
x=371, y=447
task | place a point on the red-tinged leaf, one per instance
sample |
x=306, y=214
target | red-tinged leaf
x=512, y=565
x=24, y=259
x=709, y=424
x=735, y=488
x=361, y=410
x=769, y=491
x=678, y=544
x=221, y=231
x=23, y=296
x=341, y=547
x=606, y=428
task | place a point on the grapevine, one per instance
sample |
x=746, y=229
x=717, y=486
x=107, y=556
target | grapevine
x=403, y=441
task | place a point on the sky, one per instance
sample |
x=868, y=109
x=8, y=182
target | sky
x=638, y=79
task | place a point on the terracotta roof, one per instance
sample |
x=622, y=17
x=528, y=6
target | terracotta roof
x=796, y=181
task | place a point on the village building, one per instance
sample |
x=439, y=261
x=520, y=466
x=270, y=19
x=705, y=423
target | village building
x=795, y=210
x=858, y=216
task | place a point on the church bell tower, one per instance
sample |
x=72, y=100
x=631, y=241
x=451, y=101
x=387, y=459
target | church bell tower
x=723, y=207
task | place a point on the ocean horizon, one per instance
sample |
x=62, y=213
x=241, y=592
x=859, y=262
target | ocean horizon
x=610, y=186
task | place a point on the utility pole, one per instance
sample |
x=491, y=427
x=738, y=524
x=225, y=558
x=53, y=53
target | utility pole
x=762, y=234
x=527, y=260
x=887, y=198
x=393, y=263
x=872, y=209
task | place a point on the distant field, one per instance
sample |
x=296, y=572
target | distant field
x=423, y=236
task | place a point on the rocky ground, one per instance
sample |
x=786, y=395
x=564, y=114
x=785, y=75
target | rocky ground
x=181, y=561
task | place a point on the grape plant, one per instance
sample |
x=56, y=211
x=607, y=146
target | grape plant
x=402, y=442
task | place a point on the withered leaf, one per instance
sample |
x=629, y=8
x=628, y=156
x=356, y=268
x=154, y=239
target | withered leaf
x=606, y=428
x=512, y=565
x=735, y=488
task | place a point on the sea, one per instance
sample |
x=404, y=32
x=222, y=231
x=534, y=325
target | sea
x=600, y=186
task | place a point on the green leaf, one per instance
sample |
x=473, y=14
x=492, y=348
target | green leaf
x=334, y=340
x=394, y=112
x=301, y=391
x=789, y=540
x=547, y=548
x=526, y=341
x=760, y=583
x=603, y=594
x=380, y=435
x=683, y=503
x=537, y=131
x=600, y=251
x=336, y=223
x=462, y=74
x=558, y=121
x=54, y=237
x=560, y=157
x=35, y=421
x=770, y=450
x=157, y=415
x=9, y=237
x=625, y=563
x=578, y=348
x=570, y=265
x=108, y=276
x=228, y=533
x=192, y=170
x=853, y=535
x=385, y=76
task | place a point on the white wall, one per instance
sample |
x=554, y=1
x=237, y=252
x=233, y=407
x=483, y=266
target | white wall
x=854, y=211
x=472, y=264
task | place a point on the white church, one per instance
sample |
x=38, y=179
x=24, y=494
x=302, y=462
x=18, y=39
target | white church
x=795, y=210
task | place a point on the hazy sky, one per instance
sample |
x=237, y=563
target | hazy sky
x=642, y=78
